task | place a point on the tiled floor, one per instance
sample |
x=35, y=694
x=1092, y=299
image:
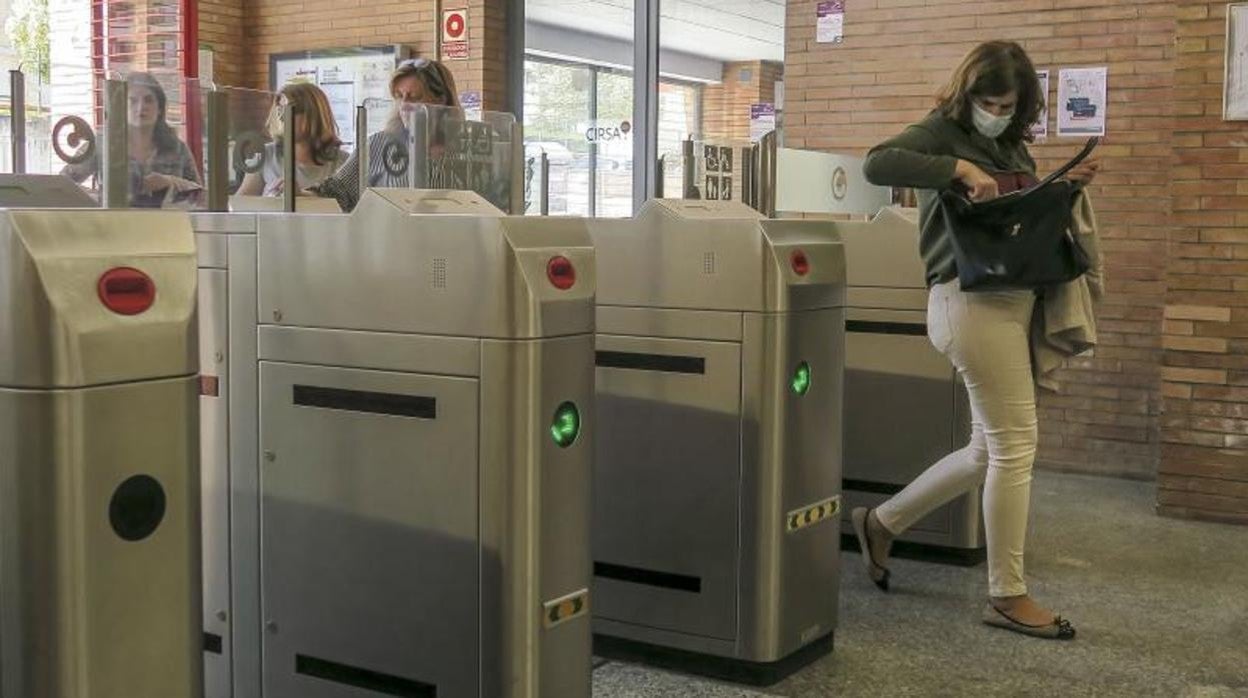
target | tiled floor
x=1161, y=607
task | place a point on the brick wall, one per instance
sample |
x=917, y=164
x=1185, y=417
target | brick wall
x=846, y=98
x=1204, y=463
x=221, y=29
x=726, y=105
x=243, y=33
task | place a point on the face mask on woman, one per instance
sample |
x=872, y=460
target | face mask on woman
x=990, y=125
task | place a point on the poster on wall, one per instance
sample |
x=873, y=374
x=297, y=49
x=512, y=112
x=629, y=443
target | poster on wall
x=1235, y=95
x=830, y=22
x=762, y=120
x=470, y=102
x=1081, y=101
x=341, y=96
x=1040, y=129
x=348, y=76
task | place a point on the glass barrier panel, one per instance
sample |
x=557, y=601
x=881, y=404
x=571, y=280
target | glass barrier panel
x=448, y=151
x=164, y=114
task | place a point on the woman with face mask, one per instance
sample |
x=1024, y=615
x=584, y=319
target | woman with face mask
x=318, y=150
x=975, y=139
x=162, y=169
x=416, y=81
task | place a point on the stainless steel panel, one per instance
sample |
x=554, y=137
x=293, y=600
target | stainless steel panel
x=896, y=382
x=82, y=611
x=211, y=250
x=667, y=485
x=706, y=255
x=722, y=326
x=42, y=191
x=791, y=447
x=370, y=533
x=886, y=298
x=664, y=638
x=224, y=223
x=243, y=389
x=813, y=182
x=453, y=356
x=214, y=437
x=478, y=276
x=884, y=252
x=535, y=517
x=55, y=331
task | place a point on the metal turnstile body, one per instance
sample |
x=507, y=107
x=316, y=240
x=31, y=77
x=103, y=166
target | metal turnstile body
x=425, y=473
x=717, y=482
x=99, y=484
x=230, y=478
x=896, y=380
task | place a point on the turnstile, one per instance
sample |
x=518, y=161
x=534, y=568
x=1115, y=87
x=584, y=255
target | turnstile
x=230, y=477
x=425, y=405
x=99, y=481
x=718, y=477
x=895, y=380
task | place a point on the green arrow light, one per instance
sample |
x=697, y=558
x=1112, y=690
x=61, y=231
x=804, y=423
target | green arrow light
x=800, y=382
x=566, y=425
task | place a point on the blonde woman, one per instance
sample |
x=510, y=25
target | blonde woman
x=416, y=81
x=318, y=150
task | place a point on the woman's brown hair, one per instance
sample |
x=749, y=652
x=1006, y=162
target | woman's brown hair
x=994, y=69
x=435, y=76
x=320, y=130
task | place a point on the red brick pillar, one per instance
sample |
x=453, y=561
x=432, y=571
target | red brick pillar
x=1204, y=453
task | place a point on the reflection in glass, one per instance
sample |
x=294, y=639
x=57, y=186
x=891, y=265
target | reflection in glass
x=163, y=172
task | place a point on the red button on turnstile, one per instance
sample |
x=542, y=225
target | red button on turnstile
x=561, y=273
x=801, y=265
x=126, y=291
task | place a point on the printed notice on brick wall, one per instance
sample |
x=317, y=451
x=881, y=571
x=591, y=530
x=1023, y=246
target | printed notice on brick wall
x=762, y=120
x=830, y=22
x=1081, y=101
x=1040, y=129
x=470, y=102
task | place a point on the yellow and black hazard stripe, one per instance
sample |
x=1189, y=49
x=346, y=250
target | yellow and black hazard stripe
x=565, y=608
x=808, y=516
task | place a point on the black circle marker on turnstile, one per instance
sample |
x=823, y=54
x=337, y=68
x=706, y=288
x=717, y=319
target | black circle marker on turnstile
x=137, y=508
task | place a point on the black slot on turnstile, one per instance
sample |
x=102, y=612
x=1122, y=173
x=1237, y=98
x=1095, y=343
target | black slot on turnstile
x=654, y=578
x=910, y=329
x=662, y=363
x=367, y=679
x=418, y=406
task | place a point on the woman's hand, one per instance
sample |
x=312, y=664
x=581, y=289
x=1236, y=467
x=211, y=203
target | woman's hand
x=1084, y=172
x=980, y=186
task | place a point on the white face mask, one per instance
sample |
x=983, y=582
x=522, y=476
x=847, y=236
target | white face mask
x=988, y=124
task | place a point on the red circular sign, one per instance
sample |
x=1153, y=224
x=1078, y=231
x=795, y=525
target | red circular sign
x=454, y=25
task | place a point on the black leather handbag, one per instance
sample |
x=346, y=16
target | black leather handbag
x=1021, y=240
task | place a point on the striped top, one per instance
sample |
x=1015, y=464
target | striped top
x=344, y=185
x=448, y=168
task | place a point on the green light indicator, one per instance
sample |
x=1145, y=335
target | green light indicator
x=566, y=425
x=801, y=379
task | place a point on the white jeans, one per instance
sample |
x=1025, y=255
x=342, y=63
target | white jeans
x=985, y=335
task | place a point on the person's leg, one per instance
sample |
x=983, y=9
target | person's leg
x=993, y=354
x=954, y=475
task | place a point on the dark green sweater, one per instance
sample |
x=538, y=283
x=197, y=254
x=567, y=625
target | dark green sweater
x=923, y=157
